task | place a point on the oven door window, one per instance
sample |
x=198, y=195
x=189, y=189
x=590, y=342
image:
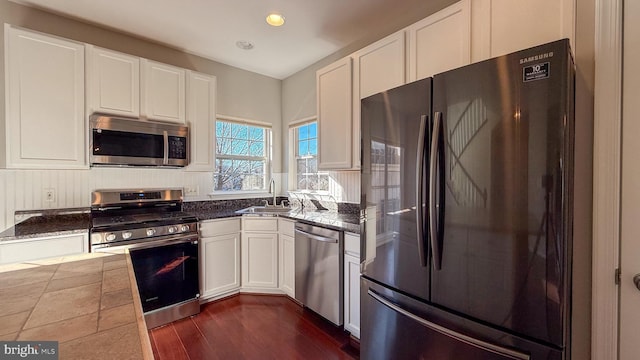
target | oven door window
x=166, y=275
x=129, y=144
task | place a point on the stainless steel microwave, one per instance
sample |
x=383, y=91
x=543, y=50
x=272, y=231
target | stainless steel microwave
x=118, y=141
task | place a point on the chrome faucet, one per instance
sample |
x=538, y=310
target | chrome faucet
x=272, y=189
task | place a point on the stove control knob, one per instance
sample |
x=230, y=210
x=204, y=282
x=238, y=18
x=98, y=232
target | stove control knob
x=184, y=228
x=126, y=235
x=151, y=232
x=110, y=237
x=172, y=229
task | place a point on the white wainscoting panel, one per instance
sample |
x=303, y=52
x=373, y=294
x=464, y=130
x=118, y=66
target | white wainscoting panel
x=344, y=186
x=25, y=189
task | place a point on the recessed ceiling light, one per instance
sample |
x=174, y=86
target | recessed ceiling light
x=274, y=19
x=244, y=45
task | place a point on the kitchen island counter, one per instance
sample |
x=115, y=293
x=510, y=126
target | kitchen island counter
x=89, y=303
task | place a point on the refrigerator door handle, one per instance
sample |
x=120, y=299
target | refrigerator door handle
x=502, y=351
x=433, y=206
x=419, y=192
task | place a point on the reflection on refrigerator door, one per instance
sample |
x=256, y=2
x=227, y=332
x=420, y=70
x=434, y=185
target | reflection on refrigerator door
x=400, y=327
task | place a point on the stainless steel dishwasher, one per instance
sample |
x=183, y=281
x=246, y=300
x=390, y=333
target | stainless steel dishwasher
x=319, y=270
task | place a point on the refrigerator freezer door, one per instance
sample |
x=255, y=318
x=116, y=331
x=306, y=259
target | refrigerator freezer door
x=508, y=165
x=395, y=133
x=395, y=326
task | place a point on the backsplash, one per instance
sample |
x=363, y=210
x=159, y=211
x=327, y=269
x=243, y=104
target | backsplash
x=26, y=189
x=226, y=205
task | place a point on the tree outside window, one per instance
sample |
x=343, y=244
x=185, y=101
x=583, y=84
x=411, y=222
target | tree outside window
x=242, y=156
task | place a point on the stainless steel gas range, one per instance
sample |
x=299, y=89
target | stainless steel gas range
x=162, y=242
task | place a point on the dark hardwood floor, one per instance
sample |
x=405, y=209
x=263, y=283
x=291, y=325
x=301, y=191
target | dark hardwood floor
x=252, y=327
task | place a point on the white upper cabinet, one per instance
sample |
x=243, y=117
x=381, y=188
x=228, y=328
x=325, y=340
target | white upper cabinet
x=163, y=91
x=113, y=82
x=377, y=67
x=44, y=77
x=201, y=116
x=505, y=26
x=334, y=115
x=440, y=42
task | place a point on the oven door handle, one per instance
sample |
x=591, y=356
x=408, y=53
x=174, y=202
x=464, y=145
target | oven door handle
x=165, y=241
x=137, y=244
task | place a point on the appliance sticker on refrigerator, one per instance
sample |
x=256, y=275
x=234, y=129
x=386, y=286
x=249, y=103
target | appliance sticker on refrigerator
x=535, y=72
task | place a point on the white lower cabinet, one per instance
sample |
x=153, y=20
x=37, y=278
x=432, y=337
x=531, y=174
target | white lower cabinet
x=352, y=284
x=43, y=247
x=260, y=255
x=287, y=258
x=219, y=257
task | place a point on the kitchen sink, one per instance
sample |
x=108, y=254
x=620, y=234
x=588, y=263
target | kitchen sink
x=270, y=209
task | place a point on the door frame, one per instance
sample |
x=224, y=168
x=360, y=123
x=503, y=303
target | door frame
x=606, y=178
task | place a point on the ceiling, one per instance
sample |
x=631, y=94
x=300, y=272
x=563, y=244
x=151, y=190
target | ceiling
x=313, y=30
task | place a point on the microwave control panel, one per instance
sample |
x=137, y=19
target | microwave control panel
x=177, y=147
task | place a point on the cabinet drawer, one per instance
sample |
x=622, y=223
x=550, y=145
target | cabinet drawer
x=352, y=244
x=259, y=224
x=287, y=227
x=219, y=227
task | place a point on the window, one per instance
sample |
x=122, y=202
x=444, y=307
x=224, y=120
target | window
x=306, y=159
x=242, y=156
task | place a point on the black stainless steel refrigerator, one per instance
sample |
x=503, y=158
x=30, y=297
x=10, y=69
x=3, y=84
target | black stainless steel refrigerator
x=467, y=201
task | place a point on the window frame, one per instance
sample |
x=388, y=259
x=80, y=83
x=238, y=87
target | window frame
x=268, y=158
x=294, y=157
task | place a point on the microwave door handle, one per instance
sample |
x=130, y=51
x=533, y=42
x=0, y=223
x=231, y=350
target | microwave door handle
x=165, y=159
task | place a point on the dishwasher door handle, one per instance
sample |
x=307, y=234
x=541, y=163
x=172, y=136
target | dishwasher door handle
x=316, y=237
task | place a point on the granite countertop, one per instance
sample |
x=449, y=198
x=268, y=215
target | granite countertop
x=48, y=225
x=63, y=224
x=89, y=303
x=334, y=220
x=329, y=219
